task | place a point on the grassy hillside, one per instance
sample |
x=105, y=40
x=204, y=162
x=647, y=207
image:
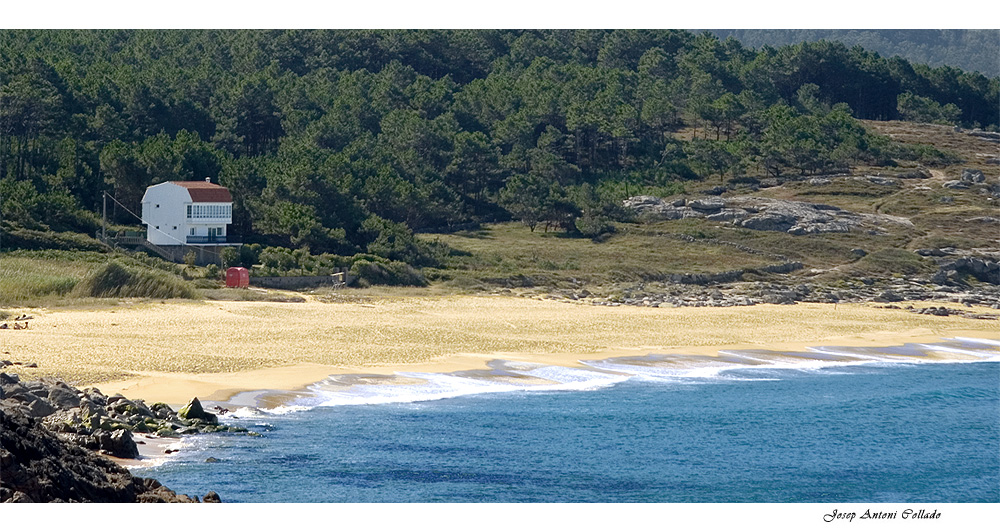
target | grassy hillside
x=53, y=276
x=500, y=256
x=509, y=255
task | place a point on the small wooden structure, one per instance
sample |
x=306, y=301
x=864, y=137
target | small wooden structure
x=237, y=277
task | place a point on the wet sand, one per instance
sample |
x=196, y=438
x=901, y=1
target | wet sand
x=171, y=351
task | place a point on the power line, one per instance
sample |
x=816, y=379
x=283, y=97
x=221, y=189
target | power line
x=182, y=243
x=143, y=221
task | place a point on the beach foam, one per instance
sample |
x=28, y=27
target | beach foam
x=729, y=365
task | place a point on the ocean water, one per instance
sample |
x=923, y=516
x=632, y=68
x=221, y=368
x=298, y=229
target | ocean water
x=823, y=425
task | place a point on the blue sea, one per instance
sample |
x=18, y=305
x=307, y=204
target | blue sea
x=844, y=425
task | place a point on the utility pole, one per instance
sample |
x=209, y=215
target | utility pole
x=104, y=219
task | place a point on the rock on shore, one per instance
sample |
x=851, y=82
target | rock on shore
x=38, y=466
x=52, y=437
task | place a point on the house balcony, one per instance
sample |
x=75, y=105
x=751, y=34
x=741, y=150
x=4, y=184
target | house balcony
x=214, y=240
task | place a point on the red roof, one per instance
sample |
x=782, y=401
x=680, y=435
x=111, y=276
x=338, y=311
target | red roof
x=202, y=191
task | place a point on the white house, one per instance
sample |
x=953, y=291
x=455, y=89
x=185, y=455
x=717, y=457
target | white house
x=187, y=213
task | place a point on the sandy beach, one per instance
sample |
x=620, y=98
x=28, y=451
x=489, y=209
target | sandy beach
x=174, y=350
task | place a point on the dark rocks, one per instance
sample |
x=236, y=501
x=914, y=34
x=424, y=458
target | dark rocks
x=211, y=497
x=120, y=444
x=38, y=466
x=194, y=411
x=53, y=436
x=889, y=296
x=786, y=297
x=161, y=410
x=936, y=311
x=39, y=407
x=983, y=269
x=98, y=422
x=63, y=397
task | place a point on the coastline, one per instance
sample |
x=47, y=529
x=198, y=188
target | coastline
x=278, y=385
x=171, y=351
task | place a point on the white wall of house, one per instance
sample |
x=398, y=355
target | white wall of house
x=171, y=217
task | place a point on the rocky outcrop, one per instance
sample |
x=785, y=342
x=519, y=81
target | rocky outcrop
x=38, y=466
x=985, y=135
x=973, y=176
x=970, y=178
x=54, y=438
x=194, y=411
x=94, y=420
x=662, y=293
x=984, y=270
x=954, y=264
x=758, y=213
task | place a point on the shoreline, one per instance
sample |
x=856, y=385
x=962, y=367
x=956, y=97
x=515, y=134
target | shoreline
x=276, y=386
x=171, y=351
x=152, y=452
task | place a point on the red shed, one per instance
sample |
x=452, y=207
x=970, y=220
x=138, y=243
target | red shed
x=237, y=277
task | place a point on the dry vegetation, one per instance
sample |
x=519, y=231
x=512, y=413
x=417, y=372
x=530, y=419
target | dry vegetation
x=973, y=150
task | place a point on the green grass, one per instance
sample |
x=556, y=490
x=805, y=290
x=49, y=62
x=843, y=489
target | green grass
x=511, y=251
x=56, y=276
x=32, y=276
x=891, y=261
x=120, y=279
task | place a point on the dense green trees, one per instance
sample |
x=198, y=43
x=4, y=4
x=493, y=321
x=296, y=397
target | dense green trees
x=973, y=50
x=347, y=141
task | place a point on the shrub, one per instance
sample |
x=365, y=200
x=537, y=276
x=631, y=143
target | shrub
x=391, y=273
x=592, y=226
x=231, y=258
x=17, y=237
x=912, y=107
x=927, y=155
x=395, y=241
x=117, y=279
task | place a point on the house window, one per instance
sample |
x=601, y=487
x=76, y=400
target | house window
x=189, y=211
